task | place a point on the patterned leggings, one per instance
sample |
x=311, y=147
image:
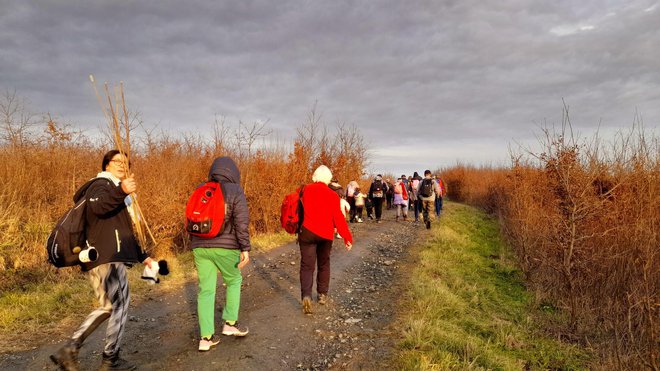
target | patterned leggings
x=110, y=284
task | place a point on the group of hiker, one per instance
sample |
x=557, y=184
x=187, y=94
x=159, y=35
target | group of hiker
x=325, y=209
x=421, y=195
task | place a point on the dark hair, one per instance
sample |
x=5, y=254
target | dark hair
x=108, y=157
x=427, y=172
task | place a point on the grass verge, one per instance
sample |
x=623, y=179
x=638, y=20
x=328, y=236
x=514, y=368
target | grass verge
x=50, y=301
x=468, y=307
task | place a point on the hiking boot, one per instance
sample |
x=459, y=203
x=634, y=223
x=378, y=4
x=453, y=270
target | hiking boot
x=234, y=330
x=207, y=343
x=307, y=305
x=323, y=299
x=428, y=224
x=115, y=363
x=66, y=358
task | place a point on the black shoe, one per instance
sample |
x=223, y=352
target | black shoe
x=115, y=363
x=428, y=224
x=66, y=357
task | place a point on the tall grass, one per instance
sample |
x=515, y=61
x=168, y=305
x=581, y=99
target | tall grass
x=469, y=307
x=583, y=216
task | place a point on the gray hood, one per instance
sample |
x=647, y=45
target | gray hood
x=224, y=170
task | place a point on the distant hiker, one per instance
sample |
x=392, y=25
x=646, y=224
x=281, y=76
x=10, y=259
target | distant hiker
x=377, y=195
x=226, y=253
x=350, y=190
x=426, y=191
x=414, y=197
x=440, y=196
x=110, y=230
x=321, y=216
x=337, y=188
x=389, y=194
x=400, y=200
x=359, y=204
x=404, y=180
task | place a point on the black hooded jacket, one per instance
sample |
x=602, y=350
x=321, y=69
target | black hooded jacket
x=236, y=235
x=109, y=226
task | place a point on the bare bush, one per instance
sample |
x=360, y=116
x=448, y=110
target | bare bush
x=583, y=217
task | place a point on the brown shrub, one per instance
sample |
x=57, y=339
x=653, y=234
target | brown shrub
x=583, y=219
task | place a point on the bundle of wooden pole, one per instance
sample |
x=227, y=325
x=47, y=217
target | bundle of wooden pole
x=116, y=114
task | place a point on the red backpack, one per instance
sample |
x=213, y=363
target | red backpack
x=291, y=213
x=205, y=211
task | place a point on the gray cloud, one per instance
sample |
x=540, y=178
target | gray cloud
x=454, y=79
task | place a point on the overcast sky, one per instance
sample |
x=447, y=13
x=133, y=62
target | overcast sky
x=428, y=83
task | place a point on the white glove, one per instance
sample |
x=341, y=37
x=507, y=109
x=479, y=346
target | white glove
x=150, y=273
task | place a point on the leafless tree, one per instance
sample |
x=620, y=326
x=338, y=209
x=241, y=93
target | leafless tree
x=16, y=121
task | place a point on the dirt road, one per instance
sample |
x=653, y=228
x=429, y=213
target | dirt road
x=355, y=330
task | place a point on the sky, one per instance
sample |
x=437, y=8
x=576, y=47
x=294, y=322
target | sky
x=428, y=83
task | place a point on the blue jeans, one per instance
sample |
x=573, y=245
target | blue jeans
x=438, y=205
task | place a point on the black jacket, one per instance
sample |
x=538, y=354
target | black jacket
x=373, y=187
x=236, y=234
x=109, y=226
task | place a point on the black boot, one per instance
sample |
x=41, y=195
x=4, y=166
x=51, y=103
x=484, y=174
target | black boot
x=115, y=362
x=66, y=358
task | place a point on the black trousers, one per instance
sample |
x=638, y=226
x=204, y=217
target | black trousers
x=314, y=252
x=378, y=207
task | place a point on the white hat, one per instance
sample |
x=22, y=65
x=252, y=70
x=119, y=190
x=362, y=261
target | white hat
x=322, y=174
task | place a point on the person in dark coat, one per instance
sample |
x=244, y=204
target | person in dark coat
x=110, y=231
x=227, y=253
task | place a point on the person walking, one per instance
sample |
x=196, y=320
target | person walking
x=416, y=202
x=389, y=194
x=359, y=204
x=377, y=195
x=400, y=200
x=226, y=253
x=350, y=197
x=427, y=190
x=439, y=197
x=109, y=228
x=321, y=215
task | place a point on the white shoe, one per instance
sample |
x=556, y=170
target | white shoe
x=338, y=236
x=359, y=220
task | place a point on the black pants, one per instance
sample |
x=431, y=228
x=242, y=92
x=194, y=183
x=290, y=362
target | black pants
x=378, y=207
x=358, y=211
x=352, y=213
x=314, y=251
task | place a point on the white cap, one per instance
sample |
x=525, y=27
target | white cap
x=322, y=174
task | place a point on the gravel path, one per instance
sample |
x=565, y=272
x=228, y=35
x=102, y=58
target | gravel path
x=356, y=330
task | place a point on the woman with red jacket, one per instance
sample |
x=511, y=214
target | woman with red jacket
x=322, y=214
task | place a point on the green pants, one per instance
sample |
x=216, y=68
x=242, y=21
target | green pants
x=209, y=261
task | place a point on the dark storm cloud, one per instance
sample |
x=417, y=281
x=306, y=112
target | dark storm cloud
x=459, y=78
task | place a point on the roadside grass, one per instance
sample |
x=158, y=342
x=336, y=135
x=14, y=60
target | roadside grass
x=468, y=307
x=44, y=303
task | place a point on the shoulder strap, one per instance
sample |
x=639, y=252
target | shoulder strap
x=80, y=193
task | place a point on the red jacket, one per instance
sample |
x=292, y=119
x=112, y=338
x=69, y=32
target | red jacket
x=323, y=213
